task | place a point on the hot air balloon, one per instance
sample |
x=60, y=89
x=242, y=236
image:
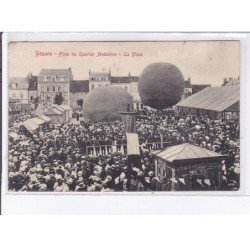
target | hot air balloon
x=161, y=85
x=105, y=103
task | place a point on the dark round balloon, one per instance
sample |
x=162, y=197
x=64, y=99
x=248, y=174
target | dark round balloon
x=161, y=85
x=105, y=103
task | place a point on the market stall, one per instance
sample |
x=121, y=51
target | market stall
x=188, y=167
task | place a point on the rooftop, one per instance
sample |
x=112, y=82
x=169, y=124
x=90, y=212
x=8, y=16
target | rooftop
x=231, y=81
x=213, y=98
x=99, y=74
x=120, y=79
x=124, y=79
x=79, y=86
x=55, y=72
x=22, y=82
x=184, y=152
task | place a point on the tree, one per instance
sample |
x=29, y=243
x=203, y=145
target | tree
x=80, y=102
x=58, y=98
x=36, y=100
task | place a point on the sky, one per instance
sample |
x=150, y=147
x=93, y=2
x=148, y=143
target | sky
x=205, y=62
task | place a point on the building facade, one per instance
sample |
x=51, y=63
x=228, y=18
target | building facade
x=51, y=82
x=129, y=83
x=38, y=92
x=198, y=87
x=32, y=92
x=99, y=79
x=78, y=93
x=187, y=88
x=19, y=92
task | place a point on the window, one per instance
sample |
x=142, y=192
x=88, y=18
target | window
x=61, y=79
x=59, y=88
x=126, y=88
x=53, y=88
x=49, y=78
x=48, y=88
x=42, y=88
x=48, y=97
x=93, y=86
x=99, y=85
x=31, y=98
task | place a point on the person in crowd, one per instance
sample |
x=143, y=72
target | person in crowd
x=65, y=157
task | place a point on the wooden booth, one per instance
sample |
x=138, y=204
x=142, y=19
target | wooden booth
x=187, y=167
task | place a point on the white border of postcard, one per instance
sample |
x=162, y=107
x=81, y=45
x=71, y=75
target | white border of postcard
x=128, y=202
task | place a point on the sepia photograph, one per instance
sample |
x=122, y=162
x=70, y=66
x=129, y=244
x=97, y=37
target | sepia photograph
x=143, y=116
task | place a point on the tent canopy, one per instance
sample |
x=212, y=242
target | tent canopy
x=30, y=125
x=66, y=107
x=14, y=135
x=38, y=121
x=44, y=118
x=213, y=98
x=62, y=108
x=53, y=111
x=34, y=123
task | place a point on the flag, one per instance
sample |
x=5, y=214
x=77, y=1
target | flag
x=128, y=119
x=132, y=144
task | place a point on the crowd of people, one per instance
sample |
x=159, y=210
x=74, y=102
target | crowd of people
x=60, y=157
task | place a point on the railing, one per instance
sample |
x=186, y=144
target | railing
x=96, y=150
x=106, y=149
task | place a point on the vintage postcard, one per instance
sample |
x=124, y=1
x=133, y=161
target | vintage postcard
x=123, y=116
